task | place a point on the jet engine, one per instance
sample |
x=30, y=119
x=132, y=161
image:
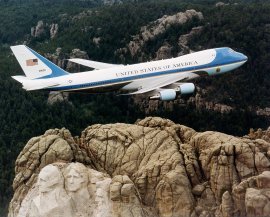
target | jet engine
x=186, y=88
x=165, y=95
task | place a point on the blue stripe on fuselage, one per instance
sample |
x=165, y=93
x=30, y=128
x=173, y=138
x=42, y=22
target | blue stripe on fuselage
x=222, y=58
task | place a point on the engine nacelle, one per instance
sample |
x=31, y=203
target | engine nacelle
x=186, y=88
x=165, y=95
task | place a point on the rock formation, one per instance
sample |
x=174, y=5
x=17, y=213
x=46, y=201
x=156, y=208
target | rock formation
x=263, y=111
x=221, y=4
x=184, y=40
x=259, y=134
x=38, y=30
x=55, y=96
x=97, y=41
x=112, y=2
x=42, y=28
x=151, y=168
x=157, y=28
x=58, y=57
x=76, y=53
x=53, y=30
x=164, y=52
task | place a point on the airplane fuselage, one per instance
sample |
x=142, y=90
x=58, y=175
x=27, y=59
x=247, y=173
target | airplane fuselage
x=133, y=77
x=161, y=79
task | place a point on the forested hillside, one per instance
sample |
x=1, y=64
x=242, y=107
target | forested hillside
x=244, y=26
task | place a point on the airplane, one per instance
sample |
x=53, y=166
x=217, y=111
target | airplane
x=162, y=79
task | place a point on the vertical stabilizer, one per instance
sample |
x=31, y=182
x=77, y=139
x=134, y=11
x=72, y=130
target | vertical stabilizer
x=34, y=65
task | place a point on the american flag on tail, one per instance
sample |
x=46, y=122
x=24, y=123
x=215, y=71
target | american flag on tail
x=32, y=62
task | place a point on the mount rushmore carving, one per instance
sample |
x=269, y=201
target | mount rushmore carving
x=152, y=168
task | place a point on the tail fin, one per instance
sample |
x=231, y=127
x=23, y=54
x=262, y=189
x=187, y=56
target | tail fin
x=34, y=65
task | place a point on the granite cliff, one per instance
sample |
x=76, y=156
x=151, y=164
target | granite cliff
x=151, y=168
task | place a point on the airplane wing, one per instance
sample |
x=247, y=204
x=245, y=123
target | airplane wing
x=159, y=83
x=93, y=64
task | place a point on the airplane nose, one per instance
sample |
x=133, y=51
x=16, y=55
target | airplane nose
x=245, y=58
x=241, y=57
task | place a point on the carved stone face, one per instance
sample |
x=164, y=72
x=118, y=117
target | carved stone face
x=74, y=180
x=49, y=177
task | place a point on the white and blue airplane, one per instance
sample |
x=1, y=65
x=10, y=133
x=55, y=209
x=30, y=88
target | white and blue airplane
x=162, y=79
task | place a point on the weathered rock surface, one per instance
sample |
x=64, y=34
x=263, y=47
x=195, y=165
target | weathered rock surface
x=112, y=2
x=184, y=40
x=201, y=103
x=259, y=134
x=55, y=96
x=164, y=52
x=38, y=30
x=263, y=112
x=221, y=4
x=53, y=30
x=76, y=53
x=159, y=27
x=151, y=168
x=42, y=28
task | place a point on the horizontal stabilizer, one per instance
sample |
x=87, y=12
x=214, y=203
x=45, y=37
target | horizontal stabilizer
x=93, y=64
x=39, y=84
x=20, y=78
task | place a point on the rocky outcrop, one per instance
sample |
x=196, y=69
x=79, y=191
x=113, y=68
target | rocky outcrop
x=76, y=53
x=38, y=30
x=55, y=96
x=259, y=134
x=53, y=30
x=112, y=2
x=151, y=168
x=221, y=4
x=164, y=52
x=41, y=29
x=184, y=40
x=201, y=103
x=159, y=27
x=96, y=41
x=263, y=112
x=82, y=15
